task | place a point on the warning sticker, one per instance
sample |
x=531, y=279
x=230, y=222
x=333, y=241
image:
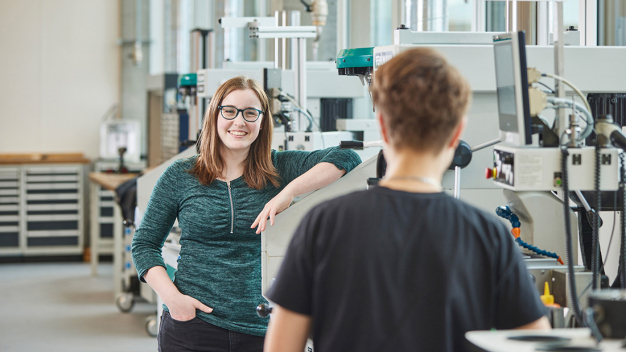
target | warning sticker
x=529, y=173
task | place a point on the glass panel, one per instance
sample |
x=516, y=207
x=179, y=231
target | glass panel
x=438, y=15
x=612, y=22
x=570, y=13
x=494, y=16
x=381, y=32
x=460, y=15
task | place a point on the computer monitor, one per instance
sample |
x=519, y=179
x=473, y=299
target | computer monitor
x=512, y=88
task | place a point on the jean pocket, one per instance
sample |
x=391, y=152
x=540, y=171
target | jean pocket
x=169, y=317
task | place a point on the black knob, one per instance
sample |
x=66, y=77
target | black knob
x=263, y=310
x=462, y=156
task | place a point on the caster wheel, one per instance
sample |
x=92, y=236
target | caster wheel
x=152, y=327
x=125, y=302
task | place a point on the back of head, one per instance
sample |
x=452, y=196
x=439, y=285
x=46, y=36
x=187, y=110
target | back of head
x=422, y=99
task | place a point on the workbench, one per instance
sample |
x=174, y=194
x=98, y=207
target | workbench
x=99, y=245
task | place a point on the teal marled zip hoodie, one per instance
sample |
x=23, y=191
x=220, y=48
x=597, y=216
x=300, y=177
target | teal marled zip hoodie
x=220, y=257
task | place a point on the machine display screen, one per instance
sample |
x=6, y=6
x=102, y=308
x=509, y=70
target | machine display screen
x=505, y=83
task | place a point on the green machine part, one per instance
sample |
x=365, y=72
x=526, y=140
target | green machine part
x=354, y=62
x=190, y=79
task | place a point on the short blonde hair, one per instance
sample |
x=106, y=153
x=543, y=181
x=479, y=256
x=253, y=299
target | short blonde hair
x=421, y=98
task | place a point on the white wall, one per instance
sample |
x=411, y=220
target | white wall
x=59, y=73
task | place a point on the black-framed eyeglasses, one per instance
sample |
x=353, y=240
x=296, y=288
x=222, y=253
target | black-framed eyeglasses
x=249, y=114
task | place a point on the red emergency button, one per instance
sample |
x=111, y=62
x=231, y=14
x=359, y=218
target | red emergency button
x=491, y=173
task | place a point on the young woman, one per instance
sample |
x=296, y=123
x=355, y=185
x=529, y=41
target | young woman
x=222, y=199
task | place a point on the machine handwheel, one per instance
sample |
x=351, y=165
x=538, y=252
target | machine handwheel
x=152, y=328
x=125, y=302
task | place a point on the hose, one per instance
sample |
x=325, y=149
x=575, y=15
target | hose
x=568, y=103
x=568, y=240
x=569, y=84
x=299, y=108
x=506, y=213
x=595, y=248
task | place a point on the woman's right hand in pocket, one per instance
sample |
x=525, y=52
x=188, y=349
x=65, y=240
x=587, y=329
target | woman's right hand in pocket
x=183, y=307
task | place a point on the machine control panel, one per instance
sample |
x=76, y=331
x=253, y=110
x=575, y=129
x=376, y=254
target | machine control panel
x=539, y=169
x=504, y=166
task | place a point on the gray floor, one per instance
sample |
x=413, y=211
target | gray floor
x=61, y=307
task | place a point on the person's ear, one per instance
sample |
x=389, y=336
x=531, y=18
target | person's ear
x=458, y=132
x=383, y=129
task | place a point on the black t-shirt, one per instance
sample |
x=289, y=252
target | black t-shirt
x=386, y=270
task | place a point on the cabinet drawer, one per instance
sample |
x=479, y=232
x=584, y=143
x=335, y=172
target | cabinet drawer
x=56, y=196
x=61, y=217
x=59, y=170
x=51, y=225
x=52, y=186
x=9, y=218
x=8, y=192
x=50, y=207
x=9, y=229
x=52, y=178
x=9, y=200
x=9, y=184
x=48, y=233
x=9, y=239
x=52, y=241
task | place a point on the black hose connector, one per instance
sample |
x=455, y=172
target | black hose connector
x=595, y=243
x=568, y=240
x=618, y=139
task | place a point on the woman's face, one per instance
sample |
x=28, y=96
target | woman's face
x=238, y=134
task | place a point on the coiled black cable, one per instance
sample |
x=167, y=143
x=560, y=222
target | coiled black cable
x=568, y=239
x=595, y=243
x=622, y=254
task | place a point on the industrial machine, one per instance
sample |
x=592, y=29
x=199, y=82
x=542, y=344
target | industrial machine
x=538, y=158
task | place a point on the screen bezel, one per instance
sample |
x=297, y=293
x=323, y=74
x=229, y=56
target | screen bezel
x=523, y=136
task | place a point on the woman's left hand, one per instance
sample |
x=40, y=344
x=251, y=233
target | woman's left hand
x=273, y=207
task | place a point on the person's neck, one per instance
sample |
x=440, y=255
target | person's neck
x=233, y=163
x=412, y=171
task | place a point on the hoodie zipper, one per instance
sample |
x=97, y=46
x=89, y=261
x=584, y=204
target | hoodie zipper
x=232, y=209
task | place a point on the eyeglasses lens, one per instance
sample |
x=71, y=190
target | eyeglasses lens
x=248, y=114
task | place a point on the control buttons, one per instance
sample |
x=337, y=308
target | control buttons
x=491, y=173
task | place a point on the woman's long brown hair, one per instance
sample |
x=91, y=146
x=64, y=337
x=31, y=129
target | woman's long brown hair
x=258, y=168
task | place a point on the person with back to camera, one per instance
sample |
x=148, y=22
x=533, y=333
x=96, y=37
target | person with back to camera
x=222, y=199
x=403, y=266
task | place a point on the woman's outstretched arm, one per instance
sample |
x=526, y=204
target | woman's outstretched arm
x=318, y=176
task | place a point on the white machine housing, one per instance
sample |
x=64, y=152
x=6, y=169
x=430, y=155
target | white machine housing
x=275, y=239
x=539, y=169
x=308, y=140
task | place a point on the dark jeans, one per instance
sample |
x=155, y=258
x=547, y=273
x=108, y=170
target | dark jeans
x=198, y=335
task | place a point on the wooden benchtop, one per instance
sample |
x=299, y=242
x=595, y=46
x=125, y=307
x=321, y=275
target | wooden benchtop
x=43, y=158
x=110, y=181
